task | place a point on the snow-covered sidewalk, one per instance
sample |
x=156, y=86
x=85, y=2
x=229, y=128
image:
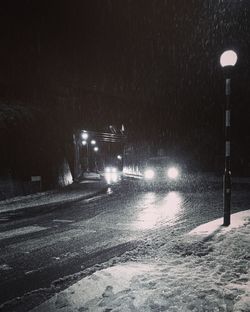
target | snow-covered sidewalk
x=73, y=192
x=204, y=270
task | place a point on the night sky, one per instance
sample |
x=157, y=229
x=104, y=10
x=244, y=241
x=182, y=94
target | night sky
x=152, y=65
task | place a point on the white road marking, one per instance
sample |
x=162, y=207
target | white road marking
x=94, y=198
x=22, y=231
x=89, y=181
x=32, y=271
x=63, y=221
x=5, y=267
x=29, y=272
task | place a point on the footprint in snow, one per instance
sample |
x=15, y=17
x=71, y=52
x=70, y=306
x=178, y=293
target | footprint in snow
x=108, y=292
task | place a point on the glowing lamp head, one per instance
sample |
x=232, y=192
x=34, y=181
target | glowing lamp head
x=85, y=135
x=173, y=173
x=228, y=58
x=149, y=174
x=96, y=149
x=84, y=142
x=93, y=142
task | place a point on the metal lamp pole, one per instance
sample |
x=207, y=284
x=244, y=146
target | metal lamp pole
x=87, y=146
x=85, y=142
x=76, y=156
x=227, y=174
x=228, y=59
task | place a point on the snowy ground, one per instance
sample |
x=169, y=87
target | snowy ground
x=204, y=270
x=85, y=189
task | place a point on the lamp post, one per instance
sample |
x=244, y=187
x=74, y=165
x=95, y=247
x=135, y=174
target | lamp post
x=76, y=156
x=227, y=60
x=85, y=143
x=96, y=149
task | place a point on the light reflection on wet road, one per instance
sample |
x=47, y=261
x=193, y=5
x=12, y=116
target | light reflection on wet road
x=155, y=212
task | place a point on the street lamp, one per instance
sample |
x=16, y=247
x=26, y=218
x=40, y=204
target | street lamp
x=85, y=136
x=227, y=60
x=96, y=149
x=93, y=142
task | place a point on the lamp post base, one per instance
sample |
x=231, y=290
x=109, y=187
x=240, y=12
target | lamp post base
x=227, y=198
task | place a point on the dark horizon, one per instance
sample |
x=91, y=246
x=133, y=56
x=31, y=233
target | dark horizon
x=153, y=67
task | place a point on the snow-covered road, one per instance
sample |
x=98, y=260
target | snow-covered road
x=43, y=254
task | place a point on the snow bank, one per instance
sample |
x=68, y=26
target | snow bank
x=237, y=220
x=53, y=197
x=211, y=275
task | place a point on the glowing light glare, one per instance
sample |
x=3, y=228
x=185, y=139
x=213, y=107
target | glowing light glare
x=84, y=142
x=111, y=177
x=228, y=58
x=107, y=169
x=173, y=200
x=119, y=157
x=110, y=170
x=173, y=173
x=93, y=142
x=96, y=149
x=160, y=212
x=149, y=174
x=109, y=190
x=85, y=135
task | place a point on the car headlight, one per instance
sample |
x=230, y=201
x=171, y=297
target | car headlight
x=107, y=169
x=173, y=173
x=149, y=174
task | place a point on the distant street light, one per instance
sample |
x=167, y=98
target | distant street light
x=96, y=149
x=93, y=142
x=85, y=135
x=227, y=60
x=119, y=157
x=84, y=142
